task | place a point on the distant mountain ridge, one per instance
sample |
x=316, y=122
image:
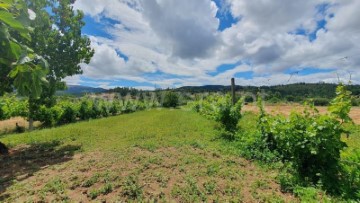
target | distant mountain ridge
x=79, y=90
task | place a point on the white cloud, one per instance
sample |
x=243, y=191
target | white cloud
x=180, y=38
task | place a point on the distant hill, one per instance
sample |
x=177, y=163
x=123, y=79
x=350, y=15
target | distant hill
x=323, y=90
x=79, y=90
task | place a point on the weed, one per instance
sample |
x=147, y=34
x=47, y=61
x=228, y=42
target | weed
x=131, y=188
x=55, y=186
x=210, y=187
x=94, y=193
x=212, y=169
x=106, y=189
x=197, y=144
x=91, y=181
x=163, y=180
x=190, y=192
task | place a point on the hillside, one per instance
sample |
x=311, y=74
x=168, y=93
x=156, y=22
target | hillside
x=80, y=90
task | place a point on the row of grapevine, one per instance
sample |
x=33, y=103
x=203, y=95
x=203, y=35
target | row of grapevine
x=220, y=109
x=308, y=144
x=10, y=106
x=70, y=110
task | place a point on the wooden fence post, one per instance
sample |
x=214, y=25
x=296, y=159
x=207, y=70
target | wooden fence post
x=233, y=90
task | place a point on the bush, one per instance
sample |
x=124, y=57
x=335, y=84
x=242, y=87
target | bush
x=115, y=107
x=105, y=110
x=351, y=175
x=10, y=106
x=85, y=111
x=249, y=99
x=69, y=115
x=96, y=110
x=171, y=99
x=2, y=112
x=227, y=114
x=310, y=142
x=48, y=116
x=274, y=100
x=321, y=102
x=355, y=102
x=220, y=108
x=290, y=98
x=128, y=107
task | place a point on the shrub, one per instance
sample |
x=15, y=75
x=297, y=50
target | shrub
x=10, y=106
x=249, y=99
x=310, y=142
x=355, y=102
x=274, y=100
x=351, y=174
x=131, y=188
x=220, y=108
x=69, y=115
x=105, y=110
x=85, y=111
x=290, y=98
x=321, y=102
x=96, y=111
x=2, y=112
x=171, y=99
x=48, y=116
x=227, y=114
x=115, y=107
x=128, y=107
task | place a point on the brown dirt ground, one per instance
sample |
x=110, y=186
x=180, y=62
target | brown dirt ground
x=164, y=175
x=286, y=109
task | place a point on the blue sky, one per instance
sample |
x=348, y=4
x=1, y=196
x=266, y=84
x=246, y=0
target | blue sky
x=169, y=43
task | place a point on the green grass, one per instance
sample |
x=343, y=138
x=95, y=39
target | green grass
x=159, y=155
x=148, y=129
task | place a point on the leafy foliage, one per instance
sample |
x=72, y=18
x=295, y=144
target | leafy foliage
x=321, y=102
x=310, y=143
x=171, y=99
x=57, y=36
x=18, y=61
x=220, y=108
x=10, y=106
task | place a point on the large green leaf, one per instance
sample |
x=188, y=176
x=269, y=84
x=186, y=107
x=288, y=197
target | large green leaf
x=9, y=19
x=5, y=6
x=16, y=49
x=30, y=75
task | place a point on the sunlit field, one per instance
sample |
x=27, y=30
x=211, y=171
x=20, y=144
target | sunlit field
x=179, y=101
x=157, y=155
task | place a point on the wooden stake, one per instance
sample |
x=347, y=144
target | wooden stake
x=233, y=90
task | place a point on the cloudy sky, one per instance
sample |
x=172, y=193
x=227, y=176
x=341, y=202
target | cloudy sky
x=172, y=43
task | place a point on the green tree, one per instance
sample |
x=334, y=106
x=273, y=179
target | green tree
x=57, y=36
x=12, y=15
x=22, y=67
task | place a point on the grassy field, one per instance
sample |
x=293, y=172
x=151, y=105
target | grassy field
x=156, y=156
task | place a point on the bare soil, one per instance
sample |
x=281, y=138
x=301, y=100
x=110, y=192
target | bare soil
x=168, y=174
